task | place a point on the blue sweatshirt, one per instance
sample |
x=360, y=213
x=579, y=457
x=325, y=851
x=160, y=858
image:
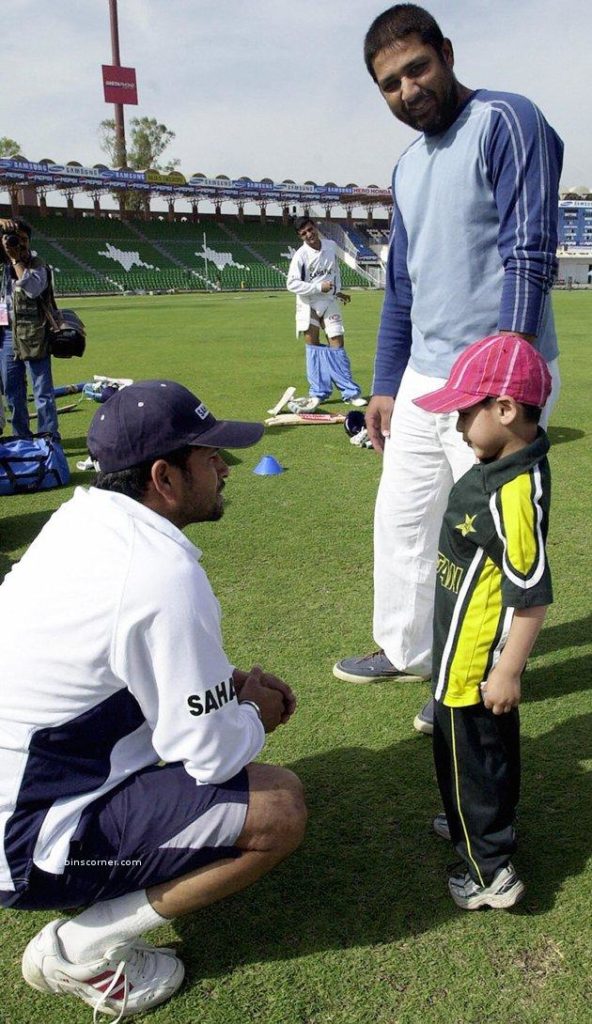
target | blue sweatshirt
x=474, y=238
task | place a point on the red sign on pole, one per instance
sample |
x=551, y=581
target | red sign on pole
x=119, y=84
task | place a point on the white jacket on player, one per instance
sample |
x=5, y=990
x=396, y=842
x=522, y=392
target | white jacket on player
x=309, y=269
x=111, y=660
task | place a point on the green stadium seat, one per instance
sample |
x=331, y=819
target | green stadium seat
x=87, y=254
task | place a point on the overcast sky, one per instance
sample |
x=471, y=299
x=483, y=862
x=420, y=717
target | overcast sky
x=276, y=88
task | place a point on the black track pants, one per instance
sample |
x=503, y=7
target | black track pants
x=477, y=758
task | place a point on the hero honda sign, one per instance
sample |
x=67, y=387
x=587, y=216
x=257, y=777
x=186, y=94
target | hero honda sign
x=119, y=84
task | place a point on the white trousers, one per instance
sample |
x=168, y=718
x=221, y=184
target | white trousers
x=423, y=457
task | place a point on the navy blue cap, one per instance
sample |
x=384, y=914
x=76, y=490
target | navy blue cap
x=153, y=417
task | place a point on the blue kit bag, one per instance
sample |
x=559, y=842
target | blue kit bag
x=31, y=464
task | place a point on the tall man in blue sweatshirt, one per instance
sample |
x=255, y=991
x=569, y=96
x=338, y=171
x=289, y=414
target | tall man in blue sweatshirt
x=474, y=237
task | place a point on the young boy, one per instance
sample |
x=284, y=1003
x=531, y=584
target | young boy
x=315, y=280
x=493, y=587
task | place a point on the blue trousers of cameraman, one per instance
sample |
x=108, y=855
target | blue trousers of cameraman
x=14, y=382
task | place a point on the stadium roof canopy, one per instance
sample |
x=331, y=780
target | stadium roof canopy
x=47, y=176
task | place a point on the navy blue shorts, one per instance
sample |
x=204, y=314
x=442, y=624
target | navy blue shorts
x=155, y=826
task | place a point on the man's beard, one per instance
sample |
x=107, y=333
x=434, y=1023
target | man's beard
x=443, y=114
x=193, y=514
x=217, y=510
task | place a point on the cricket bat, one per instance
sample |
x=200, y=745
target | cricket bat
x=59, y=409
x=294, y=419
x=122, y=381
x=287, y=395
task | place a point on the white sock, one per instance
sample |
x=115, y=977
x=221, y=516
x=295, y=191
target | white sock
x=104, y=925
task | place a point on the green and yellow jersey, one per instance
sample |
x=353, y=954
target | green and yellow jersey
x=491, y=560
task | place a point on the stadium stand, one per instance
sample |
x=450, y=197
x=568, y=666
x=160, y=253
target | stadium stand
x=92, y=255
x=371, y=273
x=575, y=224
x=363, y=250
x=376, y=236
x=105, y=254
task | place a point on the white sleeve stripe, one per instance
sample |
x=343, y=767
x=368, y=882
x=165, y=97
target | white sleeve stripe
x=459, y=609
x=546, y=203
x=519, y=581
x=520, y=154
x=506, y=623
x=544, y=176
x=518, y=148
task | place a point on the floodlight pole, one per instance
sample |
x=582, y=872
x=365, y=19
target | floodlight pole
x=120, y=153
x=205, y=249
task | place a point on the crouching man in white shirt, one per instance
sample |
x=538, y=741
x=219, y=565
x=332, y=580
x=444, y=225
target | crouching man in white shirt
x=116, y=666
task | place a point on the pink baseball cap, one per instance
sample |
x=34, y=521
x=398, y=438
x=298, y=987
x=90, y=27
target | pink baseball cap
x=501, y=364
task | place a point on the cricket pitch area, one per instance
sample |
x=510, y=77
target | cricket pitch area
x=357, y=927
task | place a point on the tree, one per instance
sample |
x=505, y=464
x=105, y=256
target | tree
x=9, y=148
x=149, y=139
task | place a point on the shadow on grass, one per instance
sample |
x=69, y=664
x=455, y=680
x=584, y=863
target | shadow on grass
x=18, y=531
x=566, y=634
x=75, y=445
x=355, y=881
x=81, y=478
x=563, y=435
x=281, y=428
x=570, y=675
x=371, y=871
x=555, y=826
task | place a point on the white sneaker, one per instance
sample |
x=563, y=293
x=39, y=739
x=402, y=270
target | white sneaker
x=129, y=979
x=359, y=402
x=361, y=439
x=503, y=892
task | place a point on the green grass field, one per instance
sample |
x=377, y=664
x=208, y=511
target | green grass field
x=357, y=927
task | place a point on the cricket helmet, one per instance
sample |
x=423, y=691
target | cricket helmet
x=354, y=422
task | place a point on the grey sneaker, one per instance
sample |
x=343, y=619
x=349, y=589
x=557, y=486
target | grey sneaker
x=503, y=892
x=424, y=720
x=371, y=668
x=440, y=826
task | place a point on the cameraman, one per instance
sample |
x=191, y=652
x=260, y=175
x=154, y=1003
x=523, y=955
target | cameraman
x=24, y=286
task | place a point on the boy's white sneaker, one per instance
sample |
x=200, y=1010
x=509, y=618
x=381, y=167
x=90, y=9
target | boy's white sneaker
x=358, y=402
x=129, y=979
x=440, y=826
x=503, y=892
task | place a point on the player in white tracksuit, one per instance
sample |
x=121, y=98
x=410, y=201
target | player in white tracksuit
x=315, y=280
x=127, y=788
